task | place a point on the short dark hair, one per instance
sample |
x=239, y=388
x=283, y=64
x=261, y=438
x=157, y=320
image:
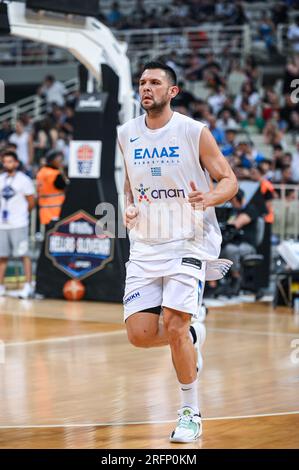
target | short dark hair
x=277, y=147
x=10, y=153
x=155, y=64
x=52, y=154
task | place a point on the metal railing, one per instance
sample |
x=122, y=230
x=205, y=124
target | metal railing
x=20, y=52
x=147, y=43
x=257, y=8
x=206, y=38
x=141, y=42
x=34, y=106
x=286, y=212
x=128, y=6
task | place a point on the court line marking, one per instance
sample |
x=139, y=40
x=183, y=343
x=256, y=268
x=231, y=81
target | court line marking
x=251, y=332
x=65, y=339
x=132, y=423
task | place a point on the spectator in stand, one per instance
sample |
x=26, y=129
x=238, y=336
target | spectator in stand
x=203, y=10
x=5, y=132
x=224, y=10
x=211, y=63
x=114, y=17
x=281, y=168
x=295, y=163
x=270, y=103
x=279, y=13
x=226, y=121
x=251, y=70
x=51, y=185
x=180, y=10
x=201, y=110
x=44, y=137
x=58, y=116
x=246, y=103
x=12, y=148
x=295, y=122
x=53, y=90
x=286, y=175
x=63, y=145
x=229, y=148
x=184, y=98
x=245, y=221
x=266, y=169
x=268, y=192
x=290, y=113
x=139, y=13
x=293, y=35
x=217, y=133
x=236, y=79
x=291, y=73
x=238, y=17
x=217, y=100
x=27, y=122
x=267, y=33
x=68, y=124
x=193, y=71
x=17, y=200
x=277, y=159
x=272, y=134
x=248, y=154
x=24, y=142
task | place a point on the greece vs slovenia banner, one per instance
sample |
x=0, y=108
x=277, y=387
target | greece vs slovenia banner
x=78, y=247
x=85, y=159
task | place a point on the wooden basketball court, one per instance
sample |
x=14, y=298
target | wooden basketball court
x=70, y=379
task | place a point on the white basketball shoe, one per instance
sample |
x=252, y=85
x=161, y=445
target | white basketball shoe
x=188, y=428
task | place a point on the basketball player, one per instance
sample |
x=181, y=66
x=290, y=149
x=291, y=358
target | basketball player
x=173, y=230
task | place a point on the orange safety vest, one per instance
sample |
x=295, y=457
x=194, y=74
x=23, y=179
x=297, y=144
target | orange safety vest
x=50, y=199
x=268, y=186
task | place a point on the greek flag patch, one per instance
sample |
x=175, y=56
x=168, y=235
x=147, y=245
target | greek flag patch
x=156, y=171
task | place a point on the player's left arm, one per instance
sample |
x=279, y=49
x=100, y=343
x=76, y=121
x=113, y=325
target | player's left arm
x=219, y=169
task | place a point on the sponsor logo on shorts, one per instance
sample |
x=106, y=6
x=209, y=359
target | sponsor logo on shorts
x=193, y=262
x=132, y=297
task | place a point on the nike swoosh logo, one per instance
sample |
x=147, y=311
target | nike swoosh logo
x=133, y=140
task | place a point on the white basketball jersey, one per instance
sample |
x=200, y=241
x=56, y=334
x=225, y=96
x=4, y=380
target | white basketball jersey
x=161, y=163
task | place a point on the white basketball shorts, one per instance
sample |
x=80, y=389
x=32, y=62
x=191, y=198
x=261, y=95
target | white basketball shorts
x=152, y=285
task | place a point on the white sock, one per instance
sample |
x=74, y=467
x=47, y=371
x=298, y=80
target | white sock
x=189, y=396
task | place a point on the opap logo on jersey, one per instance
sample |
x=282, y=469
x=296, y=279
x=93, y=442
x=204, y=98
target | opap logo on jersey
x=158, y=193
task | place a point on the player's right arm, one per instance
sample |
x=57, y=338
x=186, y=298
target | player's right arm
x=131, y=212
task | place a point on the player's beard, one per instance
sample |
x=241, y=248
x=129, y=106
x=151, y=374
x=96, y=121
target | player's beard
x=9, y=170
x=156, y=107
